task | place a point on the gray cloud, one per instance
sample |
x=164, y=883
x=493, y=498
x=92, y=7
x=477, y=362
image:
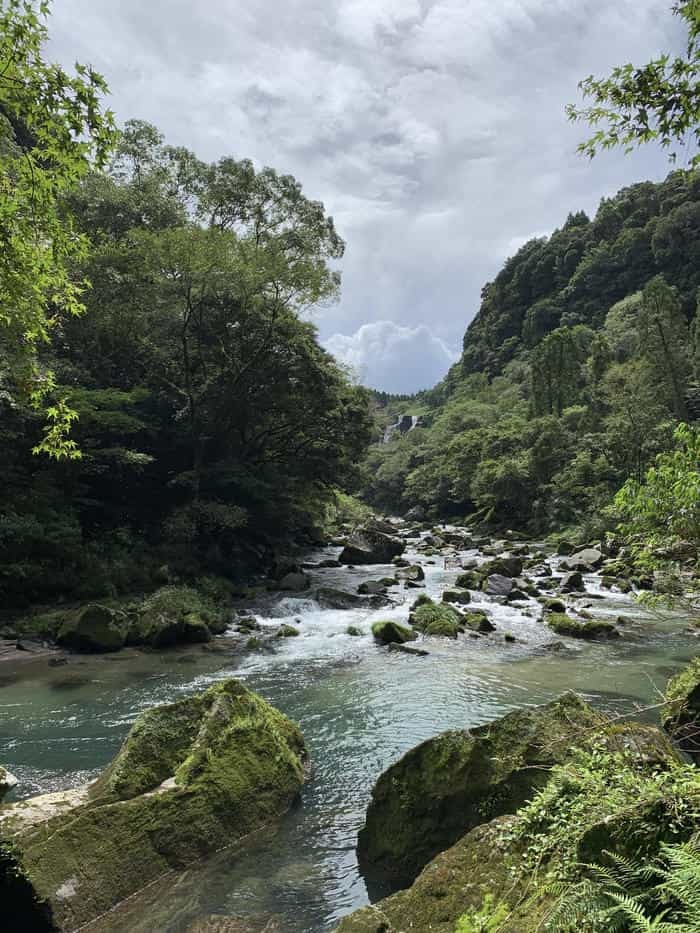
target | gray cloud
x=385, y=355
x=433, y=130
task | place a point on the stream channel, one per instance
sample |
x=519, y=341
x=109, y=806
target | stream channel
x=359, y=705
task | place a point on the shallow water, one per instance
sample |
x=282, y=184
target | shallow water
x=359, y=707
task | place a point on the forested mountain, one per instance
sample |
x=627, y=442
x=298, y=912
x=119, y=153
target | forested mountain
x=210, y=423
x=577, y=368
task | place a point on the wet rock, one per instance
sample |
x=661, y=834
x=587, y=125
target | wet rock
x=461, y=597
x=329, y=598
x=389, y=632
x=287, y=631
x=497, y=585
x=294, y=582
x=554, y=605
x=479, y=621
x=503, y=567
x=586, y=560
x=565, y=548
x=408, y=649
x=195, y=629
x=329, y=562
x=192, y=777
x=573, y=582
x=440, y=790
x=94, y=628
x=374, y=587
x=563, y=624
x=7, y=782
x=437, y=619
x=367, y=546
x=470, y=580
x=414, y=573
x=354, y=631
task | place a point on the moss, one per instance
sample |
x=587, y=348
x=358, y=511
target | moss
x=470, y=580
x=236, y=764
x=287, y=631
x=390, y=632
x=555, y=605
x=478, y=621
x=445, y=786
x=94, y=628
x=437, y=619
x=456, y=596
x=354, y=631
x=563, y=624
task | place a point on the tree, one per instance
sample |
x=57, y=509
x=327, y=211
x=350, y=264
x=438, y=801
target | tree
x=557, y=367
x=52, y=131
x=659, y=101
x=664, y=342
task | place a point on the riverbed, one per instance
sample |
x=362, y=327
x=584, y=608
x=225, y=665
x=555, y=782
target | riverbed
x=359, y=705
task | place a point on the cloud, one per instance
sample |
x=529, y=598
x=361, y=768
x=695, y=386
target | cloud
x=385, y=355
x=433, y=130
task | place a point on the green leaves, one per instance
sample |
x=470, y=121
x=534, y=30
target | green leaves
x=52, y=131
x=659, y=101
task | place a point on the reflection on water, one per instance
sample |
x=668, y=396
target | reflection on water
x=359, y=707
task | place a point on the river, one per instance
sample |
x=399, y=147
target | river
x=359, y=706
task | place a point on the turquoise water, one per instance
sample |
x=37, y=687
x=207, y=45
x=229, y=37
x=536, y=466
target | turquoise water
x=359, y=707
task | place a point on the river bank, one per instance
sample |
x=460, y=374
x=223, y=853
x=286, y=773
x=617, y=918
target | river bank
x=359, y=705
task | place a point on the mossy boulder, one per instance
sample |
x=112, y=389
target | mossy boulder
x=461, y=597
x=287, y=631
x=470, y=580
x=94, y=628
x=192, y=777
x=563, y=624
x=354, y=631
x=195, y=629
x=174, y=614
x=414, y=573
x=681, y=715
x=439, y=619
x=511, y=566
x=447, y=785
x=369, y=546
x=390, y=632
x=479, y=621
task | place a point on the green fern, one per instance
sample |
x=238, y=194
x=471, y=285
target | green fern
x=629, y=897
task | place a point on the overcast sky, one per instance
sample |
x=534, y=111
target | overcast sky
x=433, y=130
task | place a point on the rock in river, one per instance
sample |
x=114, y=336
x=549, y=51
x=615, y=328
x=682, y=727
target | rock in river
x=7, y=782
x=191, y=777
x=367, y=546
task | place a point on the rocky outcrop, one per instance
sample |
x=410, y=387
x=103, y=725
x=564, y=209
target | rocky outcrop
x=587, y=629
x=329, y=598
x=191, y=778
x=368, y=546
x=444, y=787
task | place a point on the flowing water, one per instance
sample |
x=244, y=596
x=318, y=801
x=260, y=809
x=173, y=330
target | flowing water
x=359, y=706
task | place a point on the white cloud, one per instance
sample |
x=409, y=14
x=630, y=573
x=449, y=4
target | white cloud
x=433, y=130
x=385, y=355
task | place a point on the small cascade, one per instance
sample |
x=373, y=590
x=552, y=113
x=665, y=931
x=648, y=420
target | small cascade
x=403, y=425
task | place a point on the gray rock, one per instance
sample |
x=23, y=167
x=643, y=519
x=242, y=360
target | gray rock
x=498, y=585
x=587, y=559
x=7, y=782
x=294, y=582
x=367, y=546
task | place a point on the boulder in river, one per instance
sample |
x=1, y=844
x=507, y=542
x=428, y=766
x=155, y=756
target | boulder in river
x=329, y=598
x=456, y=596
x=436, y=619
x=586, y=560
x=414, y=573
x=192, y=777
x=368, y=546
x=498, y=585
x=441, y=789
x=588, y=630
x=572, y=582
x=391, y=632
x=7, y=782
x=94, y=628
x=294, y=582
x=503, y=566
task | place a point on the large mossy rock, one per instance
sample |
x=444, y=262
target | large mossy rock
x=617, y=796
x=369, y=546
x=451, y=783
x=192, y=777
x=94, y=628
x=391, y=633
x=681, y=716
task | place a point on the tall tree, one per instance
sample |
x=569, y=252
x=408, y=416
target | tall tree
x=52, y=131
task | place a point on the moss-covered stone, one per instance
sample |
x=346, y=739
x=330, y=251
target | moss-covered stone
x=191, y=777
x=461, y=597
x=94, y=628
x=479, y=621
x=470, y=580
x=442, y=788
x=437, y=619
x=287, y=631
x=390, y=632
x=563, y=624
x=502, y=566
x=354, y=631
x=681, y=714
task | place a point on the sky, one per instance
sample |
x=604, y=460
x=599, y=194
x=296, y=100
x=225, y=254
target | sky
x=434, y=132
